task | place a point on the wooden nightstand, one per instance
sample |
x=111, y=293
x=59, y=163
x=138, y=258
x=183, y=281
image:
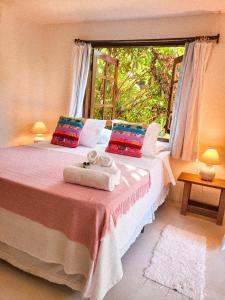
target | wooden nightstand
x=208, y=210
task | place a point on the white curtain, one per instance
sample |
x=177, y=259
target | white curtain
x=81, y=63
x=184, y=133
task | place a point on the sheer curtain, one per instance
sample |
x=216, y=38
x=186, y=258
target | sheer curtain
x=81, y=63
x=184, y=135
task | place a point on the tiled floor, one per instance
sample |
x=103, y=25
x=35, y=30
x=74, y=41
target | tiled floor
x=17, y=285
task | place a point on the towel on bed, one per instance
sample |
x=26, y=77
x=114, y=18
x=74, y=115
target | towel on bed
x=114, y=171
x=92, y=156
x=99, y=159
x=89, y=177
x=105, y=161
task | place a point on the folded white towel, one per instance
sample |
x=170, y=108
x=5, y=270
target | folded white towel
x=111, y=170
x=92, y=156
x=89, y=177
x=114, y=171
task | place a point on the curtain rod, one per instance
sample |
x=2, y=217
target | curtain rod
x=147, y=42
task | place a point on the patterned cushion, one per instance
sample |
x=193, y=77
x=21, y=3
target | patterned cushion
x=67, y=132
x=126, y=139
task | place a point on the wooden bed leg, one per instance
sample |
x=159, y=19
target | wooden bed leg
x=143, y=229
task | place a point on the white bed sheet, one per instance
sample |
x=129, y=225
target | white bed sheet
x=143, y=162
x=113, y=247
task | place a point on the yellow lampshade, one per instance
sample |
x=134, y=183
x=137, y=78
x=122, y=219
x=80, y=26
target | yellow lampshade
x=39, y=127
x=210, y=157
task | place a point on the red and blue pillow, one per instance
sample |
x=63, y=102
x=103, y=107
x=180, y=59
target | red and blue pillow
x=126, y=139
x=67, y=132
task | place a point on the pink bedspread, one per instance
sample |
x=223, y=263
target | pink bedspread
x=31, y=185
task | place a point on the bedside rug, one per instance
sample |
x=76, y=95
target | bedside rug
x=178, y=262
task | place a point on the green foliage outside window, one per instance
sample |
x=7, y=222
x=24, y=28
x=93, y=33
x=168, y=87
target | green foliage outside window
x=144, y=80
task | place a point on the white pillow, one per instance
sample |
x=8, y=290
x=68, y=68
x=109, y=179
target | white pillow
x=161, y=146
x=91, y=132
x=104, y=136
x=151, y=135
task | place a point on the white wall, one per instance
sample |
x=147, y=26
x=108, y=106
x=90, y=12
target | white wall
x=21, y=77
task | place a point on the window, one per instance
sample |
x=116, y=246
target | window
x=173, y=87
x=136, y=84
x=104, y=86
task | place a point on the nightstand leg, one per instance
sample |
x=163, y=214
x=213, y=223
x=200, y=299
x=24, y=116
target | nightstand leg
x=220, y=214
x=186, y=196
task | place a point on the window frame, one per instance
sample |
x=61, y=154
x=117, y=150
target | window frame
x=88, y=106
x=108, y=60
x=177, y=62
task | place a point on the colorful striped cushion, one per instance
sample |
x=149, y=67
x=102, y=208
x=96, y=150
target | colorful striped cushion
x=67, y=132
x=126, y=139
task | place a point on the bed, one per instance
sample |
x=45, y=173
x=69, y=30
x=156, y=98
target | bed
x=51, y=254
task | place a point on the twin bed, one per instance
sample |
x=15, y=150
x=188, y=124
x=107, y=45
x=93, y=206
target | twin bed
x=69, y=234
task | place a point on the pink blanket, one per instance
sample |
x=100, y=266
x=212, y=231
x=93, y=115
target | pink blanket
x=31, y=185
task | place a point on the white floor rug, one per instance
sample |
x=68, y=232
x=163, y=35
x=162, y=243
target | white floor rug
x=178, y=262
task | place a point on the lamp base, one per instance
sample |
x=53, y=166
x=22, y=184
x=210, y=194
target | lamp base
x=207, y=173
x=39, y=138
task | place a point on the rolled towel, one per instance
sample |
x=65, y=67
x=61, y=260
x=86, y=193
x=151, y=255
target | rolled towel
x=111, y=170
x=89, y=177
x=105, y=161
x=92, y=156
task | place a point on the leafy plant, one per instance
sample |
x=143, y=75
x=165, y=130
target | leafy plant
x=144, y=79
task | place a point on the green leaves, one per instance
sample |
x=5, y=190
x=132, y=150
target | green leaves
x=144, y=80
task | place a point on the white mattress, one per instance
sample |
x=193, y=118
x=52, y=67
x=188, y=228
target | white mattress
x=114, y=245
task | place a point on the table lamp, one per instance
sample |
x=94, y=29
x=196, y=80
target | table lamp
x=39, y=128
x=210, y=157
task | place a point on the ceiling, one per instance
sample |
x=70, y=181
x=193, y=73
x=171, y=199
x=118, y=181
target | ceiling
x=67, y=11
